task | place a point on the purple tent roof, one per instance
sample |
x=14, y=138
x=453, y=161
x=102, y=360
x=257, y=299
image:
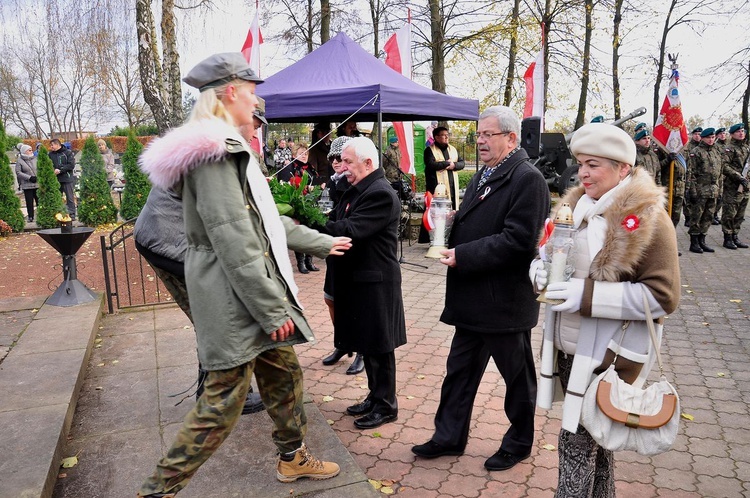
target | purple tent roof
x=335, y=80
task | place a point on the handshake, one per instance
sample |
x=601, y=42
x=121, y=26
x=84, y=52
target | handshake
x=570, y=292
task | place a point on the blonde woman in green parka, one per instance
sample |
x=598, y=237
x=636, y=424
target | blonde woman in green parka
x=239, y=278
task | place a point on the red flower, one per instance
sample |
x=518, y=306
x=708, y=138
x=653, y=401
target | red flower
x=631, y=223
x=295, y=180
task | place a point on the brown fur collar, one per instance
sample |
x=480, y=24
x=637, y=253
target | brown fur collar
x=623, y=249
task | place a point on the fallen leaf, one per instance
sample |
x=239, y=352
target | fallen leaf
x=376, y=434
x=388, y=482
x=186, y=327
x=387, y=490
x=329, y=421
x=375, y=484
x=69, y=462
x=100, y=364
x=410, y=397
x=35, y=310
x=97, y=341
x=130, y=318
x=549, y=447
x=689, y=291
x=98, y=388
x=420, y=377
x=687, y=416
x=735, y=300
x=114, y=362
x=327, y=399
x=363, y=387
x=720, y=374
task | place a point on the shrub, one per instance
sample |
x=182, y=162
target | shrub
x=464, y=177
x=137, y=185
x=95, y=206
x=50, y=198
x=10, y=205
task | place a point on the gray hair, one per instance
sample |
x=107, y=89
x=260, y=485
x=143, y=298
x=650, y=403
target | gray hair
x=506, y=118
x=364, y=149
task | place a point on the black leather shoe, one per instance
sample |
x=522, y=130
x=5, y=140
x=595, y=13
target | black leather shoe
x=357, y=365
x=374, y=419
x=302, y=269
x=502, y=460
x=362, y=408
x=309, y=264
x=433, y=450
x=253, y=404
x=335, y=356
x=715, y=221
x=702, y=242
x=735, y=239
x=158, y=495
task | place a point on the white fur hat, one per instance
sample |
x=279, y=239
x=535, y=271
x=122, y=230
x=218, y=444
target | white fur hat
x=603, y=140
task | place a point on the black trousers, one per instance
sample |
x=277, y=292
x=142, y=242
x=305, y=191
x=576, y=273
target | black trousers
x=381, y=381
x=31, y=199
x=470, y=352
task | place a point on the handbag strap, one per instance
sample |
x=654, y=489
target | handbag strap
x=652, y=332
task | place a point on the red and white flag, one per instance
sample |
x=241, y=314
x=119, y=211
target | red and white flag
x=670, y=130
x=534, y=79
x=251, y=51
x=398, y=57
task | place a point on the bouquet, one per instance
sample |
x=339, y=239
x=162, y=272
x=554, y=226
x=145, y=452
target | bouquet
x=298, y=199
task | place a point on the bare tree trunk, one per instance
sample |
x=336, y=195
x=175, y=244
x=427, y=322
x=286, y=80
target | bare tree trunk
x=149, y=67
x=616, y=42
x=375, y=16
x=309, y=26
x=512, y=53
x=589, y=6
x=325, y=21
x=546, y=28
x=436, y=46
x=171, y=63
x=746, y=98
x=660, y=63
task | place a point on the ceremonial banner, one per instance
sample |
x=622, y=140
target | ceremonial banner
x=398, y=57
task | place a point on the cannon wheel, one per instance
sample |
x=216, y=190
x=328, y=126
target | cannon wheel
x=569, y=178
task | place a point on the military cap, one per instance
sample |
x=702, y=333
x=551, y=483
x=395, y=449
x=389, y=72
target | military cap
x=260, y=111
x=598, y=119
x=697, y=129
x=707, y=132
x=641, y=134
x=736, y=127
x=220, y=69
x=640, y=126
x=720, y=130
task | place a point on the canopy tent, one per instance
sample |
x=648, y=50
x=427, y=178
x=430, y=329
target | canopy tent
x=340, y=77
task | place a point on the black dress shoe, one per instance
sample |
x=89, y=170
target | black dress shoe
x=502, y=460
x=357, y=365
x=309, y=264
x=431, y=449
x=374, y=419
x=362, y=408
x=253, y=403
x=335, y=356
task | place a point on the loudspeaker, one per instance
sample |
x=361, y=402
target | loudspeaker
x=531, y=132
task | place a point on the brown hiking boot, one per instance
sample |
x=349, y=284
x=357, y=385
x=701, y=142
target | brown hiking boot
x=305, y=465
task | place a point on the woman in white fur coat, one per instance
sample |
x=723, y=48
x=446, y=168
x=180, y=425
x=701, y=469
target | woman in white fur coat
x=624, y=247
x=239, y=279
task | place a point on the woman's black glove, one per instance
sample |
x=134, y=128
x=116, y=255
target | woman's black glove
x=32, y=179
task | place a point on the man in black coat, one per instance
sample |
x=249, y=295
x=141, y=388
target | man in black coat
x=64, y=162
x=489, y=297
x=367, y=280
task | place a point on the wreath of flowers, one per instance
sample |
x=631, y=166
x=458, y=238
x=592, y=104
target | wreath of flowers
x=631, y=223
x=298, y=199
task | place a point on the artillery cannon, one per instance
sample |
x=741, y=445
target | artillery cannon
x=550, y=152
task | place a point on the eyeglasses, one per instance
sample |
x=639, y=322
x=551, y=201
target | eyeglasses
x=336, y=158
x=486, y=135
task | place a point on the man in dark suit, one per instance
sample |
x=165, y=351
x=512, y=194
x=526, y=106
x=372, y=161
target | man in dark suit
x=367, y=280
x=489, y=297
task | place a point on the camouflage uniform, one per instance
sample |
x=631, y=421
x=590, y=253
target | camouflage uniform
x=735, y=201
x=648, y=160
x=678, y=186
x=217, y=411
x=704, y=171
x=176, y=286
x=686, y=204
x=391, y=164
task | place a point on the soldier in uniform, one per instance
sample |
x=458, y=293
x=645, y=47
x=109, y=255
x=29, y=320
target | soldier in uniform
x=695, y=139
x=736, y=192
x=645, y=157
x=392, y=162
x=721, y=143
x=704, y=170
x=721, y=137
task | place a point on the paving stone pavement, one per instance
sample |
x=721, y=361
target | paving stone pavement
x=706, y=351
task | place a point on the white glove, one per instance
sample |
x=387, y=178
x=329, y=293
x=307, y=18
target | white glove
x=571, y=292
x=538, y=275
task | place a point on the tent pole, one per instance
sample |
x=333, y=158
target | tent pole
x=380, y=137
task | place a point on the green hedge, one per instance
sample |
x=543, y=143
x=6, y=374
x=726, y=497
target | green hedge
x=463, y=180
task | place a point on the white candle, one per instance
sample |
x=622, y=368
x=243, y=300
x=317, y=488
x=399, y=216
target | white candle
x=557, y=267
x=438, y=237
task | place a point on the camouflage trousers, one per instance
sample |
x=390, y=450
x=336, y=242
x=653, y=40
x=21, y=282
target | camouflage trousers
x=176, y=286
x=677, y=202
x=279, y=377
x=701, y=214
x=733, y=213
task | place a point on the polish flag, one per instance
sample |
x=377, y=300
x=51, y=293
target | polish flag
x=251, y=51
x=534, y=79
x=398, y=57
x=670, y=130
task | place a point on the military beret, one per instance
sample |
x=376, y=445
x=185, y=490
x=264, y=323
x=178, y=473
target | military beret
x=598, y=119
x=641, y=134
x=220, y=69
x=640, y=126
x=393, y=140
x=708, y=132
x=720, y=130
x=697, y=129
x=603, y=140
x=736, y=127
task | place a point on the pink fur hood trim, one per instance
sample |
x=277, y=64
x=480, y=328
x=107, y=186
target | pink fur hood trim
x=167, y=160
